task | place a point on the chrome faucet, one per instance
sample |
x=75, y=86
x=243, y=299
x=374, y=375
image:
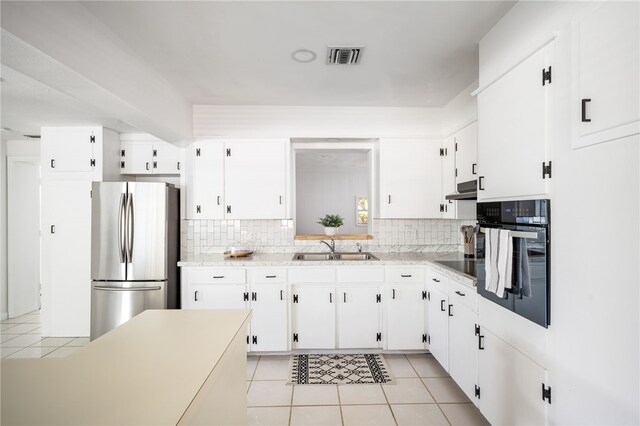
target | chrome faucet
x=331, y=246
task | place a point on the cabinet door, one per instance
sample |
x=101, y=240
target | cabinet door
x=166, y=158
x=313, y=317
x=136, y=157
x=606, y=66
x=217, y=296
x=205, y=181
x=463, y=349
x=448, y=178
x=410, y=179
x=438, y=326
x=269, y=331
x=66, y=257
x=359, y=317
x=68, y=149
x=513, y=131
x=466, y=141
x=405, y=316
x=505, y=374
x=255, y=179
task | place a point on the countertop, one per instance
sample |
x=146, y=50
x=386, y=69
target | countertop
x=146, y=371
x=286, y=260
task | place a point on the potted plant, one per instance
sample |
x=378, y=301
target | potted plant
x=331, y=223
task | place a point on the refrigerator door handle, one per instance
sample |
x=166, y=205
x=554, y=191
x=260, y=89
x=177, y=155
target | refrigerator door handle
x=121, y=228
x=130, y=225
x=127, y=288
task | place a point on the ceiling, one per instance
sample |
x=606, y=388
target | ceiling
x=323, y=159
x=417, y=53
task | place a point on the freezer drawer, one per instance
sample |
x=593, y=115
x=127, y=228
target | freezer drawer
x=113, y=304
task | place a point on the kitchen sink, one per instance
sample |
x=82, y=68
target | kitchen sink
x=334, y=256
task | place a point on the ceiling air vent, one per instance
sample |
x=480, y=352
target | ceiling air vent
x=344, y=55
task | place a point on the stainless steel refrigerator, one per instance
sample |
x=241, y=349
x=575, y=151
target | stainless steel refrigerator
x=135, y=245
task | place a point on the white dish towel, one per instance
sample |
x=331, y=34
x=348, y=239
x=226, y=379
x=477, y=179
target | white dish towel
x=491, y=242
x=505, y=262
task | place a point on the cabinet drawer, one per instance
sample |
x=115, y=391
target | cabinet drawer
x=312, y=275
x=409, y=275
x=438, y=281
x=269, y=275
x=463, y=294
x=360, y=275
x=217, y=276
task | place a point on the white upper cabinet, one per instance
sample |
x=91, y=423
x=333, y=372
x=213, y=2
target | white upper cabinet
x=205, y=180
x=143, y=154
x=606, y=70
x=513, y=130
x=466, y=146
x=448, y=178
x=68, y=150
x=255, y=183
x=410, y=178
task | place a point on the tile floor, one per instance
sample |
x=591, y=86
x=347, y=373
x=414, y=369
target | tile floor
x=21, y=338
x=423, y=395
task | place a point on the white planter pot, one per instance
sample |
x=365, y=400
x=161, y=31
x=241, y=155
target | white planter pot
x=330, y=231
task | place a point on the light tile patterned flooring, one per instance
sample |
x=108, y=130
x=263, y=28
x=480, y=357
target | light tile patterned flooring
x=20, y=337
x=423, y=395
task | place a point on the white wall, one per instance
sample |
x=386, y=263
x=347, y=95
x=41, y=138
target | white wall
x=321, y=191
x=17, y=147
x=460, y=111
x=595, y=325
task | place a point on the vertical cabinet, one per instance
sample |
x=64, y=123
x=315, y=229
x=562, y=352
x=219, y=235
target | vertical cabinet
x=69, y=150
x=405, y=306
x=269, y=321
x=410, y=179
x=514, y=116
x=205, y=181
x=438, y=322
x=313, y=316
x=143, y=154
x=605, y=69
x=359, y=316
x=466, y=147
x=448, y=178
x=505, y=374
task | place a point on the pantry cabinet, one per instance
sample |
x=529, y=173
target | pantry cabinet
x=313, y=316
x=143, y=154
x=359, y=316
x=514, y=116
x=605, y=70
x=205, y=180
x=410, y=179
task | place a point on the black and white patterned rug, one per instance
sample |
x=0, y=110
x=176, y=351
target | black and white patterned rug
x=338, y=369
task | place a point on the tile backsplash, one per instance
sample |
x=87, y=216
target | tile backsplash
x=215, y=236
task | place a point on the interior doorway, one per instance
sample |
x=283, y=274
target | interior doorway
x=23, y=235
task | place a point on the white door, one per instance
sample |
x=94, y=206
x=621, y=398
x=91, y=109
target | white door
x=23, y=235
x=359, y=317
x=255, y=179
x=67, y=150
x=217, y=296
x=463, y=349
x=410, y=178
x=448, y=178
x=405, y=316
x=205, y=187
x=166, y=158
x=313, y=317
x=438, y=325
x=467, y=153
x=606, y=66
x=269, y=331
x=136, y=157
x=513, y=131
x=505, y=374
x=66, y=257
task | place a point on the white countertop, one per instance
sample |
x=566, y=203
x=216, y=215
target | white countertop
x=145, y=372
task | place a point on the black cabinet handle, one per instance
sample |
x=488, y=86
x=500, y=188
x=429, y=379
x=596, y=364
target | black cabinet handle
x=281, y=295
x=473, y=169
x=389, y=200
x=480, y=183
x=53, y=164
x=460, y=294
x=584, y=110
x=147, y=166
x=330, y=297
x=218, y=276
x=450, y=313
x=344, y=297
x=270, y=276
x=393, y=293
x=195, y=296
x=435, y=279
x=481, y=342
x=442, y=305
x=254, y=296
x=406, y=276
x=218, y=199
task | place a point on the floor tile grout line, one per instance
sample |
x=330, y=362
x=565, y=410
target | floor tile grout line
x=388, y=403
x=427, y=388
x=340, y=404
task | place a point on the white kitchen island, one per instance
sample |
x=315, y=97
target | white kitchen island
x=163, y=367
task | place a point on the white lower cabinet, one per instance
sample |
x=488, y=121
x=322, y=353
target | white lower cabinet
x=438, y=323
x=313, y=316
x=269, y=303
x=217, y=296
x=511, y=384
x=405, y=316
x=359, y=317
x=463, y=347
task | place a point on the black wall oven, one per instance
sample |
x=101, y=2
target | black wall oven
x=528, y=222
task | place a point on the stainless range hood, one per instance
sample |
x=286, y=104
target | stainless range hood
x=466, y=191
